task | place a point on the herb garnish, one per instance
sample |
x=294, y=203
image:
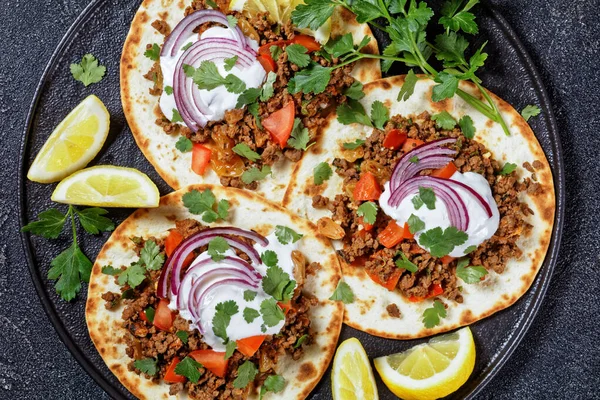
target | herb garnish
x=189, y=368
x=249, y=295
x=250, y=314
x=321, y=173
x=153, y=52
x=254, y=174
x=379, y=114
x=208, y=77
x=355, y=91
x=183, y=336
x=230, y=348
x=222, y=318
x=273, y=383
x=415, y=224
x=246, y=374
x=368, y=212
x=271, y=312
x=432, y=315
x=507, y=169
x=530, y=111
x=88, y=71
x=203, y=203
x=149, y=313
x=354, y=145
x=184, y=144
x=278, y=283
x=216, y=248
x=147, y=366
x=404, y=262
x=297, y=54
x=286, y=235
x=269, y=258
x=245, y=151
x=151, y=259
x=441, y=243
x=230, y=63
x=467, y=127
x=426, y=196
x=343, y=293
x=468, y=274
x=444, y=120
x=71, y=266
x=408, y=87
x=176, y=116
x=299, y=137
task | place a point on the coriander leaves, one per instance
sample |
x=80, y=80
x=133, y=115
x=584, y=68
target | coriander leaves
x=530, y=111
x=441, y=242
x=88, y=71
x=222, y=318
x=207, y=76
x=473, y=274
x=432, y=316
x=321, y=173
x=205, y=204
x=343, y=293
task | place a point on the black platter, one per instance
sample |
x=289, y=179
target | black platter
x=101, y=30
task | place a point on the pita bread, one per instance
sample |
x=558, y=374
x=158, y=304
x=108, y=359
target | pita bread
x=141, y=108
x=498, y=291
x=248, y=211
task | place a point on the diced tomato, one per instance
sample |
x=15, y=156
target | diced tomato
x=445, y=172
x=285, y=306
x=213, y=361
x=307, y=41
x=248, y=346
x=200, y=158
x=367, y=188
x=447, y=260
x=143, y=316
x=171, y=376
x=411, y=144
x=435, y=290
x=359, y=261
x=266, y=48
x=407, y=234
x=367, y=227
x=267, y=62
x=391, y=235
x=280, y=123
x=171, y=243
x=392, y=281
x=394, y=139
x=163, y=318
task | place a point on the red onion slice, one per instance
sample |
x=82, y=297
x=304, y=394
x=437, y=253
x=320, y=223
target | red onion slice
x=185, y=28
x=480, y=200
x=175, y=262
x=434, y=148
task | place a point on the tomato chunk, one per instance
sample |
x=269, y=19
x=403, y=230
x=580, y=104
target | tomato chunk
x=285, y=306
x=367, y=188
x=392, y=281
x=172, y=241
x=267, y=62
x=280, y=123
x=367, y=227
x=411, y=144
x=394, y=139
x=163, y=318
x=307, y=41
x=200, y=158
x=407, y=234
x=248, y=346
x=445, y=172
x=266, y=48
x=447, y=260
x=143, y=316
x=391, y=235
x=213, y=361
x=435, y=290
x=171, y=376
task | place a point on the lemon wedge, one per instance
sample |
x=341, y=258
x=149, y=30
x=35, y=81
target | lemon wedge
x=352, y=377
x=280, y=11
x=107, y=186
x=73, y=143
x=431, y=370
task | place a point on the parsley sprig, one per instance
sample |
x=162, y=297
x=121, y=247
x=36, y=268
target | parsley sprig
x=71, y=266
x=406, y=23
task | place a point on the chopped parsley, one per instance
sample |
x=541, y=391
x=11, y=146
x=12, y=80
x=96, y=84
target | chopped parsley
x=248, y=96
x=203, y=203
x=530, y=111
x=368, y=211
x=414, y=159
x=132, y=276
x=278, y=283
x=379, y=114
x=208, y=77
x=230, y=348
x=150, y=312
x=187, y=46
x=151, y=257
x=299, y=137
x=445, y=89
x=168, y=90
x=313, y=79
x=267, y=89
x=432, y=315
x=147, y=365
x=322, y=172
x=300, y=341
x=297, y=54
x=441, y=242
x=249, y=295
x=189, y=368
x=471, y=274
x=286, y=235
x=222, y=318
x=176, y=116
x=352, y=112
x=313, y=13
x=88, y=71
x=415, y=224
x=153, y=52
x=246, y=374
x=271, y=312
x=467, y=127
x=426, y=196
x=254, y=174
x=343, y=293
x=216, y=248
x=355, y=91
x=245, y=151
x=232, y=21
x=273, y=383
x=275, y=52
x=184, y=144
x=353, y=145
x=470, y=249
x=508, y=169
x=250, y=314
x=230, y=62
x=269, y=258
x=408, y=87
x=444, y=120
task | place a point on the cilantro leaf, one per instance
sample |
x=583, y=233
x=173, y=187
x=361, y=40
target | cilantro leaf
x=246, y=374
x=168, y=90
x=222, y=318
x=352, y=112
x=230, y=348
x=343, y=293
x=132, y=276
x=444, y=120
x=70, y=267
x=470, y=249
x=432, y=315
x=151, y=257
x=415, y=224
x=404, y=262
x=190, y=44
x=286, y=235
x=232, y=21
x=50, y=224
x=248, y=96
x=368, y=211
x=269, y=258
x=223, y=209
x=267, y=89
x=300, y=341
x=245, y=151
x=322, y=172
x=313, y=79
x=427, y=197
x=150, y=312
x=271, y=312
x=147, y=365
x=408, y=87
x=202, y=204
x=299, y=137
x=417, y=202
x=354, y=145
x=297, y=54
x=275, y=52
x=451, y=49
x=249, y=295
x=230, y=62
x=414, y=159
x=176, y=116
x=469, y=274
x=366, y=11
x=340, y=46
x=153, y=53
x=216, y=248
x=250, y=314
x=379, y=114
x=273, y=383
x=530, y=111
x=254, y=174
x=208, y=77
x=446, y=87
x=183, y=336
x=455, y=20
x=313, y=13
x=467, y=127
x=184, y=144
x=189, y=368
x=110, y=270
x=278, y=284
x=355, y=91
x=508, y=169
x=88, y=71
x=441, y=243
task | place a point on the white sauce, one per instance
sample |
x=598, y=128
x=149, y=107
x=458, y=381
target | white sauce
x=480, y=227
x=238, y=327
x=219, y=100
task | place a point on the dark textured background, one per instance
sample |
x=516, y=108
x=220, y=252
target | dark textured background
x=559, y=358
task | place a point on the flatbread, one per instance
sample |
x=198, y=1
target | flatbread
x=141, y=108
x=368, y=313
x=247, y=211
